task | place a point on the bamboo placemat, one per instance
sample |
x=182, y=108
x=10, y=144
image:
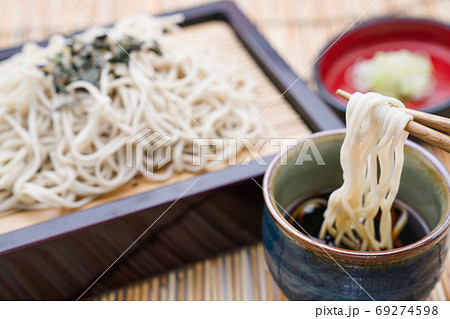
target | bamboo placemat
x=298, y=30
x=240, y=275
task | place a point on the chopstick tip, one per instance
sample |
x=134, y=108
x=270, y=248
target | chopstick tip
x=343, y=94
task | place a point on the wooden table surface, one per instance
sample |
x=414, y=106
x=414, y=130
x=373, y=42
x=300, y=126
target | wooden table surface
x=298, y=30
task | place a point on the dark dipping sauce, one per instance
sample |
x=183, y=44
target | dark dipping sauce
x=311, y=222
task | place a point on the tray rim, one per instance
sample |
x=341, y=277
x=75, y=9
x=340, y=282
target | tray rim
x=316, y=114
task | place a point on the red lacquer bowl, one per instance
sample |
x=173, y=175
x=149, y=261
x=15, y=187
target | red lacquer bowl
x=388, y=34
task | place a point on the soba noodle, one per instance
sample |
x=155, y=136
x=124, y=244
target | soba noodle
x=53, y=156
x=372, y=161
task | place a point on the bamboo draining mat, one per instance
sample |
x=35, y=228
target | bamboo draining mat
x=298, y=30
x=279, y=121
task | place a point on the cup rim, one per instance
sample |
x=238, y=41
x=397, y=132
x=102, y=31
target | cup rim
x=347, y=254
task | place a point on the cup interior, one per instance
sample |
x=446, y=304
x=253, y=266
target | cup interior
x=424, y=181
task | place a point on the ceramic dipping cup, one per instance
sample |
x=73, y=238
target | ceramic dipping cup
x=307, y=269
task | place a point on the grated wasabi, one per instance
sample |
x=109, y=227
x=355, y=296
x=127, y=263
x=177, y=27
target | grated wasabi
x=402, y=74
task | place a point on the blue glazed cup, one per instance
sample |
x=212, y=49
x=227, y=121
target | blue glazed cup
x=306, y=269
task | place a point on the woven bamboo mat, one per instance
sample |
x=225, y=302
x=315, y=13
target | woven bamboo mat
x=298, y=30
x=240, y=275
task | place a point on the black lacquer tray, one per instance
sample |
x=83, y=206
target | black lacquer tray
x=61, y=257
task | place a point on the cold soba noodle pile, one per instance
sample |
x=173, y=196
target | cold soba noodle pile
x=67, y=110
x=375, y=133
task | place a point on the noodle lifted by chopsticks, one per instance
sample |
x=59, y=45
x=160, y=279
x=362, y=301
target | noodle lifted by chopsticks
x=375, y=136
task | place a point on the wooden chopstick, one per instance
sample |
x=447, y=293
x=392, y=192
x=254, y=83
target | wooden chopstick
x=421, y=124
x=438, y=122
